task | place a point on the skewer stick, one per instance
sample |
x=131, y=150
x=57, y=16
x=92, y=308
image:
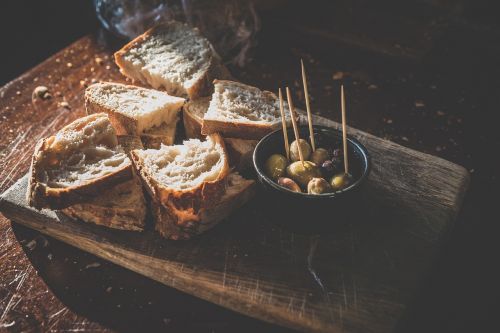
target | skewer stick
x=309, y=116
x=344, y=129
x=294, y=123
x=283, y=122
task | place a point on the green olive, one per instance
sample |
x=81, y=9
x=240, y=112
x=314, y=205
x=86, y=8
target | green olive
x=275, y=166
x=318, y=186
x=289, y=184
x=302, y=173
x=319, y=156
x=340, y=181
x=294, y=150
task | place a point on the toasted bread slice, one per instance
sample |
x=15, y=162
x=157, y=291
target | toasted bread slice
x=184, y=178
x=238, y=192
x=120, y=207
x=132, y=110
x=241, y=111
x=77, y=163
x=173, y=57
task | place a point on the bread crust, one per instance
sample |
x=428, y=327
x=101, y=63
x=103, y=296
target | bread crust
x=42, y=196
x=184, y=205
x=155, y=141
x=169, y=227
x=203, y=87
x=240, y=152
x=193, y=123
x=238, y=130
x=110, y=217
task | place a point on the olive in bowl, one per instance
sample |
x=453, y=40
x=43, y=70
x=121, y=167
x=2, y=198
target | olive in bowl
x=319, y=207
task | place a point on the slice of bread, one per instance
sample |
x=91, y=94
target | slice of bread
x=77, y=163
x=120, y=207
x=173, y=57
x=184, y=178
x=133, y=110
x=241, y=111
x=238, y=192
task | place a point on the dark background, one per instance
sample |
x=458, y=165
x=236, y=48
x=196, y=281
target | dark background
x=425, y=74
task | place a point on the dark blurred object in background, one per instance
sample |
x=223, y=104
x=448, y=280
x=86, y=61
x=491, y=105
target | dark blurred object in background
x=231, y=25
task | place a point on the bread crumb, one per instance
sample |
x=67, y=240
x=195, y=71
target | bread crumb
x=31, y=245
x=419, y=104
x=83, y=83
x=69, y=65
x=18, y=93
x=99, y=61
x=108, y=66
x=41, y=92
x=64, y=105
x=372, y=87
x=93, y=265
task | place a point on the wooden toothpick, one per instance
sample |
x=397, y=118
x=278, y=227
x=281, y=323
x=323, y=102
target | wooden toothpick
x=344, y=129
x=309, y=116
x=285, y=127
x=294, y=123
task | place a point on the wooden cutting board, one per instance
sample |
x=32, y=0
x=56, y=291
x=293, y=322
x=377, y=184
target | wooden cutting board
x=358, y=279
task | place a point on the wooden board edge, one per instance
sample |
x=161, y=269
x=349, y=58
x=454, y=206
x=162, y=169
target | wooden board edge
x=182, y=281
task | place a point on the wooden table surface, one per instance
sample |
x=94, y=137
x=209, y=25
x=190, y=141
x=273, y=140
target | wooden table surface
x=437, y=100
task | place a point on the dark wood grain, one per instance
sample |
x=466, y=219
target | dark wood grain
x=359, y=279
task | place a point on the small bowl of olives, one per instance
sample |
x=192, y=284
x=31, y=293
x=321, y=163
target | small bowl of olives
x=308, y=192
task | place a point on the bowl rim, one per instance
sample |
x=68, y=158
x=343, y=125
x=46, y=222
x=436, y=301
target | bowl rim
x=365, y=157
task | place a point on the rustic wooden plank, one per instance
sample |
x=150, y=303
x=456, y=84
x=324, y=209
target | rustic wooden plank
x=387, y=259
x=359, y=279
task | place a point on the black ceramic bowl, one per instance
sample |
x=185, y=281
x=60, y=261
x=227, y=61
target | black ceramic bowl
x=311, y=209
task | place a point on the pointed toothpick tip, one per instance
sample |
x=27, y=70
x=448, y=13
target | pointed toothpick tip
x=284, y=125
x=294, y=123
x=344, y=129
x=308, y=107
